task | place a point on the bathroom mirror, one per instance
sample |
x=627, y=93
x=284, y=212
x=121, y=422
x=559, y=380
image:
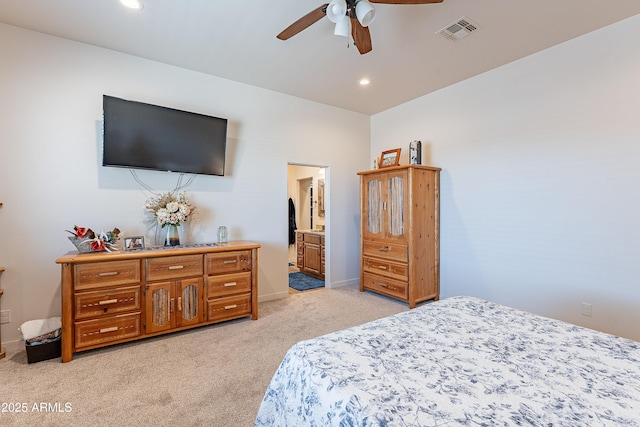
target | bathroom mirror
x=321, y=197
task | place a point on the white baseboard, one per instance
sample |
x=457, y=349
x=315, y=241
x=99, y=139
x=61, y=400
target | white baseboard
x=343, y=283
x=12, y=346
x=273, y=296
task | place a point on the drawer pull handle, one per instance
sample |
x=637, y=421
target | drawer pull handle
x=108, y=301
x=382, y=267
x=109, y=273
x=229, y=307
x=176, y=267
x=385, y=249
x=111, y=329
x=384, y=285
x=231, y=284
x=230, y=261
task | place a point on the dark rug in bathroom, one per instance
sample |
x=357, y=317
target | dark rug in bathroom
x=302, y=282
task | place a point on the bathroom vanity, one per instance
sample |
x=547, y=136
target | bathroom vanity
x=310, y=252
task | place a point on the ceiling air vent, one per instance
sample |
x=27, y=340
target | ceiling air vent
x=458, y=30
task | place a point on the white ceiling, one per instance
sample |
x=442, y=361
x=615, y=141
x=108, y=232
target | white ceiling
x=236, y=40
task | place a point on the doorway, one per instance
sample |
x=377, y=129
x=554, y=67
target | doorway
x=306, y=190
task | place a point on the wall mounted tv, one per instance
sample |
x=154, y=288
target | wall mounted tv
x=145, y=136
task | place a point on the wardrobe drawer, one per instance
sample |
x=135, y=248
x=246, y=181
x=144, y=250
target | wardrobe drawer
x=107, y=302
x=102, y=331
x=229, y=307
x=228, y=262
x=385, y=285
x=386, y=250
x=383, y=267
x=108, y=273
x=173, y=267
x=228, y=284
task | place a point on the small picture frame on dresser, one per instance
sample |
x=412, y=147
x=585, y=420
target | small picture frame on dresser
x=389, y=158
x=133, y=243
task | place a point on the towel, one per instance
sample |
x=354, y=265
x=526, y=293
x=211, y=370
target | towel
x=35, y=328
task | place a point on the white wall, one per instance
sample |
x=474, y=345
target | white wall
x=50, y=174
x=540, y=180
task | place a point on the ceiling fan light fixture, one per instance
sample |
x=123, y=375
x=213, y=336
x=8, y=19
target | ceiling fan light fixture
x=365, y=12
x=360, y=14
x=342, y=27
x=336, y=10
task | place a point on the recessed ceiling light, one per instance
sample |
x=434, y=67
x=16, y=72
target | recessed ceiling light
x=132, y=4
x=364, y=82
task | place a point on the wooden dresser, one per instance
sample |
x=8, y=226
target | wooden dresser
x=110, y=298
x=400, y=232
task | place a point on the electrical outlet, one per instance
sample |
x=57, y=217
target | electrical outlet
x=5, y=316
x=586, y=309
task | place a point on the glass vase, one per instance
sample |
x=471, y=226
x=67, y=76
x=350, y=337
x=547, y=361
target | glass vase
x=222, y=234
x=173, y=238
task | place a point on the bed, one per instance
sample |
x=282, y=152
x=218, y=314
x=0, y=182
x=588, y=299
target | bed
x=460, y=361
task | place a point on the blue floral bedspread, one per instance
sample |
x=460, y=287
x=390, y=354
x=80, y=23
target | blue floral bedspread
x=458, y=362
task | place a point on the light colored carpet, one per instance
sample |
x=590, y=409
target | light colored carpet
x=211, y=376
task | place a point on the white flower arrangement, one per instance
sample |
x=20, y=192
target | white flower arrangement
x=170, y=208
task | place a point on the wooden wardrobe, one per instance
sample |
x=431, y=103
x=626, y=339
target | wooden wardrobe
x=400, y=232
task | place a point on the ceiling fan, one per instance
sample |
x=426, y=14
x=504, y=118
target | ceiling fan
x=360, y=13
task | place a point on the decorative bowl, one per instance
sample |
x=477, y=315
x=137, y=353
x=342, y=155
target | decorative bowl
x=82, y=244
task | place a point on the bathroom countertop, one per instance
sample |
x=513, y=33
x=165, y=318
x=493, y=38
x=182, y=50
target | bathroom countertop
x=319, y=232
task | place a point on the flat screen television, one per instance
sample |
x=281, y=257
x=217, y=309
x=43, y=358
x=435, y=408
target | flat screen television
x=145, y=136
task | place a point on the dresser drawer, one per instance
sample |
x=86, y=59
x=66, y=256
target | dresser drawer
x=228, y=262
x=228, y=284
x=107, y=302
x=229, y=307
x=173, y=267
x=386, y=250
x=109, y=273
x=383, y=267
x=102, y=331
x=385, y=285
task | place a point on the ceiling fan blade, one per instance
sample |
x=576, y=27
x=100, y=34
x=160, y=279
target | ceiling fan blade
x=361, y=36
x=405, y=1
x=304, y=22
